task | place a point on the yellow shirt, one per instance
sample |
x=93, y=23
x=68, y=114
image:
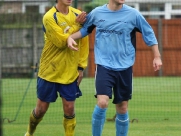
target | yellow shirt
x=58, y=63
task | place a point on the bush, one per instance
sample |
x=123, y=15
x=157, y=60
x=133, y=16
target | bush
x=89, y=7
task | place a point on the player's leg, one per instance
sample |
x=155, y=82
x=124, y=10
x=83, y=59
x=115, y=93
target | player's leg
x=104, y=83
x=36, y=116
x=122, y=119
x=46, y=93
x=122, y=93
x=69, y=120
x=69, y=93
x=99, y=115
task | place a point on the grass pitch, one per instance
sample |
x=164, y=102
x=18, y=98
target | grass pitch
x=156, y=104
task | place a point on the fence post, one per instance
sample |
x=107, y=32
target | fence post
x=1, y=133
x=35, y=48
x=75, y=3
x=160, y=46
x=0, y=60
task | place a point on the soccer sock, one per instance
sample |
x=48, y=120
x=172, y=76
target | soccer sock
x=98, y=119
x=122, y=124
x=33, y=122
x=69, y=123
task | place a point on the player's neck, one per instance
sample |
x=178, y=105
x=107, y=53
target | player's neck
x=62, y=9
x=114, y=7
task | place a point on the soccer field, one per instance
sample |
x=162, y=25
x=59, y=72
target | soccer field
x=156, y=104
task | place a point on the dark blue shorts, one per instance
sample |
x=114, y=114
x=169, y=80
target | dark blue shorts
x=48, y=91
x=117, y=83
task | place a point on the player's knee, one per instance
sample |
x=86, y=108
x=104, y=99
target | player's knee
x=122, y=107
x=122, y=110
x=102, y=103
x=40, y=112
x=69, y=110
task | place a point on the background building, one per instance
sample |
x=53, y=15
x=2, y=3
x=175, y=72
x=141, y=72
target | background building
x=33, y=6
x=166, y=9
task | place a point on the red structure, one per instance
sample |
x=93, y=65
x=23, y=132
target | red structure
x=168, y=33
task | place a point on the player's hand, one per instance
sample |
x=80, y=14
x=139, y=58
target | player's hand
x=80, y=77
x=157, y=63
x=71, y=44
x=81, y=18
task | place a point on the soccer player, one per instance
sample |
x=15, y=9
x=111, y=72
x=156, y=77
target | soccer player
x=61, y=69
x=116, y=25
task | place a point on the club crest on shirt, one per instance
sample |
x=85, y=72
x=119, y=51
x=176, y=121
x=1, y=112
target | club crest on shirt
x=63, y=23
x=66, y=29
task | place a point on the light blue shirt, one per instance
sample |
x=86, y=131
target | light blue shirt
x=115, y=35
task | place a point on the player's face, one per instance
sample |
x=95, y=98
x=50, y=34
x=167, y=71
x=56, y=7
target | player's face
x=119, y=1
x=66, y=2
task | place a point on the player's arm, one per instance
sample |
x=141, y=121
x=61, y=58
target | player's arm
x=84, y=31
x=83, y=58
x=53, y=32
x=71, y=40
x=84, y=51
x=150, y=39
x=157, y=63
x=80, y=19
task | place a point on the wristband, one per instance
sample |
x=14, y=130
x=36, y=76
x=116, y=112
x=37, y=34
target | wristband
x=80, y=68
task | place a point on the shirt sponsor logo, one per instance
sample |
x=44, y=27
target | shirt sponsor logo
x=101, y=20
x=110, y=31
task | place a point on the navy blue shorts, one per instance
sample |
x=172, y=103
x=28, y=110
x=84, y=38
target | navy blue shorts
x=117, y=83
x=48, y=91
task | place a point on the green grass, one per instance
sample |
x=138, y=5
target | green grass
x=156, y=103
x=162, y=128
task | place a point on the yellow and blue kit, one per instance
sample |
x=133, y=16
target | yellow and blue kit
x=58, y=63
